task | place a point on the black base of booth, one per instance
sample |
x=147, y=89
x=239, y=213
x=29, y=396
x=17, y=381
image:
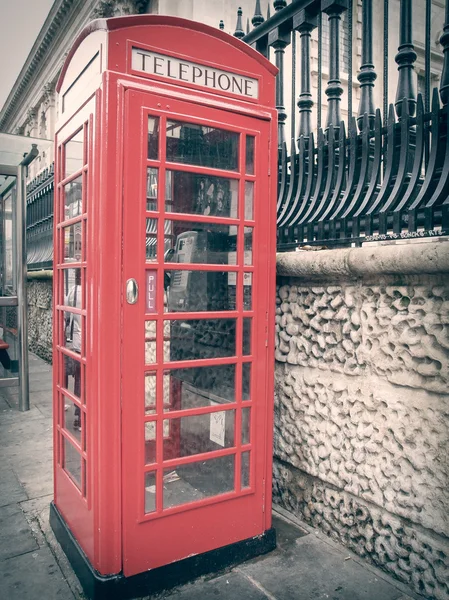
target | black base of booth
x=119, y=587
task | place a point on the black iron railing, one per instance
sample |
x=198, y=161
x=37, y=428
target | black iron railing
x=39, y=226
x=375, y=176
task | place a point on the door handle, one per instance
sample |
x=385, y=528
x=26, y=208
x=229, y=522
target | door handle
x=132, y=291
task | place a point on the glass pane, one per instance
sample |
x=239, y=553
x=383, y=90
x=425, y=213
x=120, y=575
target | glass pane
x=72, y=376
x=193, y=144
x=245, y=470
x=195, y=193
x=247, y=336
x=72, y=243
x=150, y=342
x=246, y=381
x=247, y=291
x=246, y=423
x=152, y=177
x=71, y=418
x=205, y=243
x=151, y=240
x=74, y=155
x=150, y=492
x=250, y=154
x=248, y=245
x=72, y=332
x=198, y=386
x=249, y=200
x=150, y=393
x=150, y=442
x=198, y=291
x=72, y=462
x=73, y=198
x=153, y=137
x=203, y=433
x=70, y=279
x=9, y=241
x=207, y=338
x=195, y=481
x=9, y=357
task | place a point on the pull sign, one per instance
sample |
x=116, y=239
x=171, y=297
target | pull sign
x=132, y=291
x=151, y=292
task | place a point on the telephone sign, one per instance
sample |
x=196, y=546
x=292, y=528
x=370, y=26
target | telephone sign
x=165, y=224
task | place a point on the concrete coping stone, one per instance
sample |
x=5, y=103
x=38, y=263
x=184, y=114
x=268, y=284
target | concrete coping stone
x=405, y=259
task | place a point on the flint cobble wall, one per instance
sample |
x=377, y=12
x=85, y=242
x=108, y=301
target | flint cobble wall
x=361, y=404
x=39, y=293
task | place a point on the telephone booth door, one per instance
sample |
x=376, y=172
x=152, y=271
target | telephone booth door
x=196, y=415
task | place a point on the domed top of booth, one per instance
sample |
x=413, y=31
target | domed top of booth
x=169, y=50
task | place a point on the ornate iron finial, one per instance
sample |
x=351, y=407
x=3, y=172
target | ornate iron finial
x=258, y=16
x=444, y=41
x=279, y=4
x=305, y=24
x=239, y=33
x=367, y=75
x=405, y=58
x=221, y=25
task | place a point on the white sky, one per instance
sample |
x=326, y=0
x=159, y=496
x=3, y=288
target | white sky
x=21, y=21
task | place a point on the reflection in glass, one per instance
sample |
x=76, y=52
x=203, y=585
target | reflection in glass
x=246, y=381
x=248, y=245
x=153, y=137
x=199, y=291
x=70, y=278
x=246, y=337
x=198, y=386
x=250, y=154
x=74, y=155
x=193, y=144
x=73, y=198
x=150, y=442
x=152, y=176
x=72, y=376
x=249, y=200
x=194, y=481
x=246, y=416
x=9, y=241
x=203, y=433
x=205, y=243
x=245, y=470
x=71, y=418
x=72, y=462
x=192, y=339
x=150, y=492
x=72, y=243
x=150, y=393
x=151, y=240
x=150, y=342
x=247, y=291
x=195, y=193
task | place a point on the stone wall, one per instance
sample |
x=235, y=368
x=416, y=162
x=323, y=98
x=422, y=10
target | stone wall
x=40, y=316
x=362, y=405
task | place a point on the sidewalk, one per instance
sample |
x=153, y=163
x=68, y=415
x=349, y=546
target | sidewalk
x=305, y=566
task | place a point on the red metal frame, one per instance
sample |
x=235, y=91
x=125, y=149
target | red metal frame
x=107, y=514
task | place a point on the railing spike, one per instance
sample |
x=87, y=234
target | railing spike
x=239, y=33
x=221, y=25
x=268, y=12
x=405, y=58
x=444, y=41
x=305, y=23
x=258, y=16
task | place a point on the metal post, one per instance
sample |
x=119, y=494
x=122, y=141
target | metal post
x=305, y=23
x=367, y=75
x=405, y=58
x=444, y=41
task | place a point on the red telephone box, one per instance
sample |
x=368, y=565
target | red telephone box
x=164, y=280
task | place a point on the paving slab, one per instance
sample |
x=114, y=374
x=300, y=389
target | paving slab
x=33, y=576
x=11, y=490
x=16, y=537
x=310, y=569
x=230, y=585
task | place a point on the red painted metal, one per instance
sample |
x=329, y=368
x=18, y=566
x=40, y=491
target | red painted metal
x=104, y=508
